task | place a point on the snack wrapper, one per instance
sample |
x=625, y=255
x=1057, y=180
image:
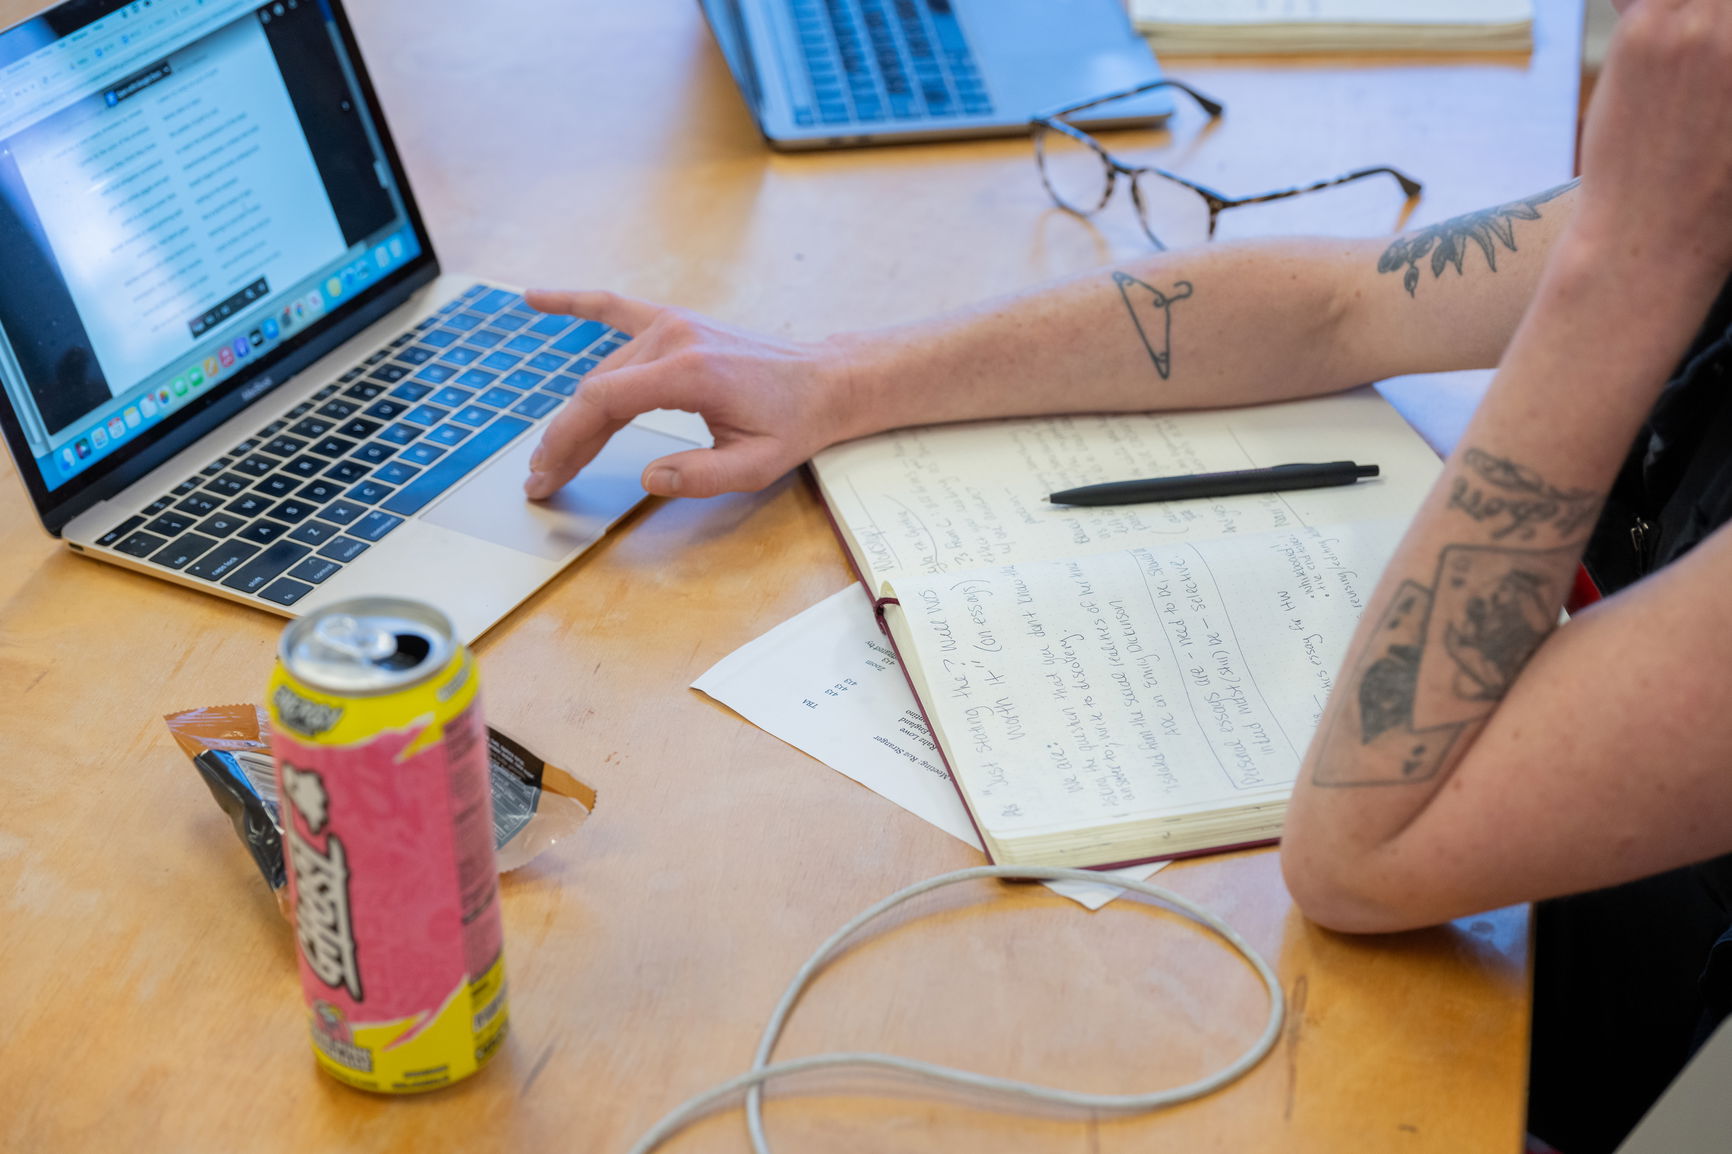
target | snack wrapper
x=534, y=804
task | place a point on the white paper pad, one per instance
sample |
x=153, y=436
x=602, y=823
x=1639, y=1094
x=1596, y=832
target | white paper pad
x=828, y=683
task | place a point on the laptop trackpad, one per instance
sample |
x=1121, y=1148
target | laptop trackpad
x=491, y=505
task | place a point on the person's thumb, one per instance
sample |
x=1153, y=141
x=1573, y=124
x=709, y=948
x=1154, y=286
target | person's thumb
x=739, y=467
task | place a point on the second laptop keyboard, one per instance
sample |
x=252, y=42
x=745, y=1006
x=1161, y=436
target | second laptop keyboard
x=870, y=61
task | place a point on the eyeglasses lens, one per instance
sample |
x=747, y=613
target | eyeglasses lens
x=1174, y=215
x=1075, y=174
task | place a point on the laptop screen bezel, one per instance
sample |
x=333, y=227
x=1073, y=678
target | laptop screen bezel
x=58, y=507
x=728, y=29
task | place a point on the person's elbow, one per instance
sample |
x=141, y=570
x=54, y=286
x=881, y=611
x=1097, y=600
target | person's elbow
x=1353, y=894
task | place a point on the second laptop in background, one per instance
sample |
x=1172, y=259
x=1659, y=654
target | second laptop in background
x=840, y=73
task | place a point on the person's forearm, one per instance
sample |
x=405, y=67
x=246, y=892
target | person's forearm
x=1217, y=325
x=1476, y=586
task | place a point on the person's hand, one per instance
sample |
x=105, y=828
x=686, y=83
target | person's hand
x=769, y=404
x=1657, y=144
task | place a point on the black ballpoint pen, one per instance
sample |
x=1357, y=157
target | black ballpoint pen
x=1199, y=485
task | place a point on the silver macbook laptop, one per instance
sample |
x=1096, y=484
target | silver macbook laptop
x=837, y=73
x=227, y=354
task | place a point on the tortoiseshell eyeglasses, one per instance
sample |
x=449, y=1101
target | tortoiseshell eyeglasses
x=1081, y=174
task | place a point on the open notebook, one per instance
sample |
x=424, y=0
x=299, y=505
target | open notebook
x=1120, y=684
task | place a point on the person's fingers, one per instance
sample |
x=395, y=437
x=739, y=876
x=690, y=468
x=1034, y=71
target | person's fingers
x=656, y=369
x=602, y=406
x=740, y=466
x=640, y=344
x=636, y=348
x=582, y=435
x=575, y=451
x=625, y=313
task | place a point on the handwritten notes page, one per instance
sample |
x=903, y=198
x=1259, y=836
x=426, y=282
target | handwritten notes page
x=1116, y=707
x=827, y=682
x=942, y=499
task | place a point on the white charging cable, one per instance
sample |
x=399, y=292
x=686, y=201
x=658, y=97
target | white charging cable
x=763, y=1070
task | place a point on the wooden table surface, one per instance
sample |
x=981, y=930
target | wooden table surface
x=149, y=1000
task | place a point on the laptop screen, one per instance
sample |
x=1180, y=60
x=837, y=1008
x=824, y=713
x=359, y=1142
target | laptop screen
x=187, y=187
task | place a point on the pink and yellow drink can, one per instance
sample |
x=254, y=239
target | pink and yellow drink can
x=381, y=758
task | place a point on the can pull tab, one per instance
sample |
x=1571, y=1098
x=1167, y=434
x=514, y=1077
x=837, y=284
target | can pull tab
x=351, y=638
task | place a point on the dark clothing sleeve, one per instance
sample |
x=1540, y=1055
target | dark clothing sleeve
x=1630, y=981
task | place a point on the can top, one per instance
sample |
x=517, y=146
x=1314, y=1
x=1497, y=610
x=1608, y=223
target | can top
x=368, y=645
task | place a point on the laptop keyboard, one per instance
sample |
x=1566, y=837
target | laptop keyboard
x=289, y=506
x=877, y=60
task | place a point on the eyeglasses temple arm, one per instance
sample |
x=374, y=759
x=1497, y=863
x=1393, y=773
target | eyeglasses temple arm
x=1210, y=105
x=1411, y=187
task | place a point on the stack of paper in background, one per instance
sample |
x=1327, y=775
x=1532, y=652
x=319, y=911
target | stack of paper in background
x=1227, y=27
